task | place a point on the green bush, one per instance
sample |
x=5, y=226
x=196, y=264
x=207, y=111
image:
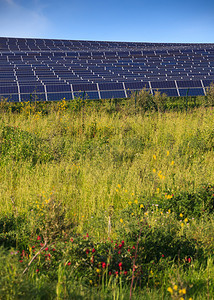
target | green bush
x=17, y=144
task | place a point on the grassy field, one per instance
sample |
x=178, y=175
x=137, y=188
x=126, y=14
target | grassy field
x=107, y=200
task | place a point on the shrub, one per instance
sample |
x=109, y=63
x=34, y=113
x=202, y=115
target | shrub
x=210, y=95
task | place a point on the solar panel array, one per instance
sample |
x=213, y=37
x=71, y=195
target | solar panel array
x=43, y=69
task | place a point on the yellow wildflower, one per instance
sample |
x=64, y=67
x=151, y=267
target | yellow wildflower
x=185, y=220
x=154, y=156
x=167, y=153
x=172, y=163
x=121, y=220
x=170, y=290
x=181, y=215
x=119, y=186
x=175, y=287
x=129, y=203
x=136, y=201
x=154, y=170
x=160, y=176
x=141, y=206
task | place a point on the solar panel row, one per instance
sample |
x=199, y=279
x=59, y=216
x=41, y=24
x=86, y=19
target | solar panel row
x=55, y=69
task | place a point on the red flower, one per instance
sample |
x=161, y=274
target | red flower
x=46, y=249
x=120, y=246
x=33, y=247
x=103, y=265
x=53, y=249
x=109, y=273
x=69, y=263
x=93, y=250
x=21, y=261
x=41, y=244
x=87, y=251
x=120, y=265
x=133, y=247
x=71, y=240
x=116, y=273
x=119, y=252
x=38, y=238
x=122, y=243
x=162, y=255
x=49, y=255
x=125, y=273
x=87, y=235
x=189, y=260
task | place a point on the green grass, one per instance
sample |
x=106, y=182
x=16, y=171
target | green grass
x=103, y=174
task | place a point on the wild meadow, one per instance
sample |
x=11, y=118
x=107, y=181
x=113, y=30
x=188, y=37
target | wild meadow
x=108, y=199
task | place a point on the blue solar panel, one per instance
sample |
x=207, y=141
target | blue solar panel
x=13, y=89
x=59, y=96
x=33, y=97
x=207, y=82
x=87, y=95
x=163, y=84
x=110, y=64
x=31, y=89
x=9, y=97
x=189, y=84
x=58, y=88
x=110, y=86
x=168, y=92
x=84, y=87
x=136, y=85
x=112, y=94
x=4, y=75
x=191, y=92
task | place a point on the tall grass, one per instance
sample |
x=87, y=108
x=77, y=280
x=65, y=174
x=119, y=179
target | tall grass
x=105, y=169
x=83, y=168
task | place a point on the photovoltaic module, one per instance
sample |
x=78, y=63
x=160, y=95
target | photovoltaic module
x=48, y=70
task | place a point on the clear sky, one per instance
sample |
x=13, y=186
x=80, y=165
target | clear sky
x=188, y=21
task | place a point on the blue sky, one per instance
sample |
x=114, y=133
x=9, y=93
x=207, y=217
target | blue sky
x=134, y=20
